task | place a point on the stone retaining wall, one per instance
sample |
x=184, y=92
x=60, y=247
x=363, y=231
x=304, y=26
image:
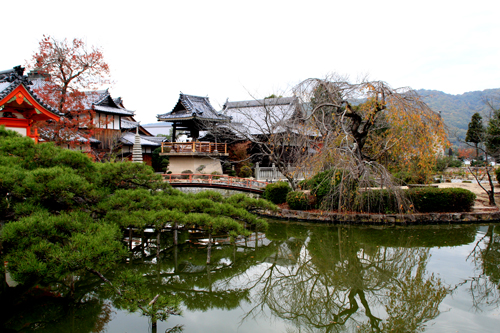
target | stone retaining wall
x=421, y=218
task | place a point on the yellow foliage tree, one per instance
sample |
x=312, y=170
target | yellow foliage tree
x=367, y=128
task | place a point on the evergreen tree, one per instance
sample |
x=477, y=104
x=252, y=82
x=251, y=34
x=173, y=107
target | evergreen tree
x=493, y=135
x=475, y=132
x=63, y=216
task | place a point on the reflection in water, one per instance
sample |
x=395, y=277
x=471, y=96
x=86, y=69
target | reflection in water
x=310, y=277
x=337, y=271
x=485, y=284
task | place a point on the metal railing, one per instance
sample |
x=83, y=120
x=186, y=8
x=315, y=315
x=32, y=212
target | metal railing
x=219, y=180
x=194, y=147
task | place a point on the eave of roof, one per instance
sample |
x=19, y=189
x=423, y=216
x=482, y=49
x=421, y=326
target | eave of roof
x=11, y=82
x=191, y=107
x=128, y=138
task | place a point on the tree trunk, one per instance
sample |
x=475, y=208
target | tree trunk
x=175, y=258
x=491, y=192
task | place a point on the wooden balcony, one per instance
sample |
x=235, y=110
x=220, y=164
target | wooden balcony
x=193, y=148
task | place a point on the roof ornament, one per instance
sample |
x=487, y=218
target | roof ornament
x=19, y=70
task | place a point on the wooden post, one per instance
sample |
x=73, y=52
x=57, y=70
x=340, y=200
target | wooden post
x=175, y=234
x=209, y=248
x=193, y=146
x=142, y=245
x=158, y=246
x=130, y=238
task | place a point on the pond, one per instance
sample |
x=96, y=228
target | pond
x=296, y=278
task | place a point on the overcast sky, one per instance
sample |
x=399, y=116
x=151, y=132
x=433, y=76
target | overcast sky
x=236, y=50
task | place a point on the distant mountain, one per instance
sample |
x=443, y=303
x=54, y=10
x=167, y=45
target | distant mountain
x=457, y=110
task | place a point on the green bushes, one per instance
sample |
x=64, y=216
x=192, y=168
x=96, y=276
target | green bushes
x=160, y=163
x=186, y=174
x=444, y=162
x=423, y=199
x=405, y=177
x=297, y=200
x=433, y=199
x=276, y=192
x=378, y=201
x=497, y=173
x=320, y=184
x=245, y=171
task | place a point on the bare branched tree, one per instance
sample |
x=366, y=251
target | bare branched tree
x=356, y=130
x=276, y=130
x=367, y=128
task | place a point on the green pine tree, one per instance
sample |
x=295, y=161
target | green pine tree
x=475, y=132
x=493, y=135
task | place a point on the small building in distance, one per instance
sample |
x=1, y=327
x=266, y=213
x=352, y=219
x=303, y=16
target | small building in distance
x=191, y=115
x=163, y=129
x=116, y=127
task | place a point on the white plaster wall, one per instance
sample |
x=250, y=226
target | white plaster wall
x=19, y=130
x=182, y=163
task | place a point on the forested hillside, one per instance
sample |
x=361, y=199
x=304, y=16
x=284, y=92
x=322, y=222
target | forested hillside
x=457, y=110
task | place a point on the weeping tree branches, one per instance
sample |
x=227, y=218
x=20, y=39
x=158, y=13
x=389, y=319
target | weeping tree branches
x=366, y=129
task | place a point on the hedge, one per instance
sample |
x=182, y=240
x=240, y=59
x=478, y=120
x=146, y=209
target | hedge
x=432, y=199
x=297, y=200
x=423, y=199
x=276, y=192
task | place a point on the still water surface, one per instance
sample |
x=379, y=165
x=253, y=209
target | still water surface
x=311, y=278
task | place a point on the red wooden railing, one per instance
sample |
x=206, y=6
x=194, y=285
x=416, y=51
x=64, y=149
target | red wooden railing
x=220, y=180
x=193, y=147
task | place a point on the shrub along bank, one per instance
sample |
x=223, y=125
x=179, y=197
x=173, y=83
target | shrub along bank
x=276, y=192
x=418, y=200
x=423, y=200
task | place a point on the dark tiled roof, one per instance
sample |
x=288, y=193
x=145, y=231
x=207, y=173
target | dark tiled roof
x=127, y=124
x=101, y=101
x=128, y=138
x=189, y=107
x=260, y=116
x=260, y=102
x=13, y=78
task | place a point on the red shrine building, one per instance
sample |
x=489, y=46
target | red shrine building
x=20, y=108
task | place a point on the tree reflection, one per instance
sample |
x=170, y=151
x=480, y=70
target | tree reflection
x=339, y=270
x=316, y=278
x=45, y=310
x=484, y=287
